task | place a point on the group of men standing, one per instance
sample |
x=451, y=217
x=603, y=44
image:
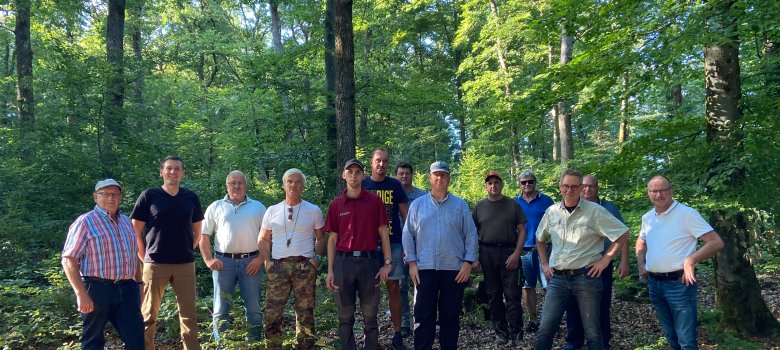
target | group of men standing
x=382, y=229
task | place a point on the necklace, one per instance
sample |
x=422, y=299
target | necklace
x=288, y=234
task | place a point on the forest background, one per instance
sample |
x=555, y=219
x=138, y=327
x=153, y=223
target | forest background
x=622, y=89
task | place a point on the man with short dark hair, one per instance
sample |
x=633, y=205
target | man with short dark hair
x=440, y=241
x=101, y=263
x=501, y=229
x=534, y=204
x=404, y=172
x=667, y=255
x=575, y=335
x=234, y=221
x=355, y=220
x=172, y=216
x=396, y=204
x=577, y=229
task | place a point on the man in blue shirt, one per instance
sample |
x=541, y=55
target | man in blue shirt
x=534, y=204
x=440, y=241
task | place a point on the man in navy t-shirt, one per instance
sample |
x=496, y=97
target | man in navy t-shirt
x=396, y=204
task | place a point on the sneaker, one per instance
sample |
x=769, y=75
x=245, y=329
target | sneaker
x=405, y=332
x=516, y=338
x=398, y=342
x=501, y=340
x=531, y=327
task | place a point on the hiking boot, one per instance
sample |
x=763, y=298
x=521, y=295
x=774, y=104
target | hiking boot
x=398, y=342
x=501, y=340
x=531, y=327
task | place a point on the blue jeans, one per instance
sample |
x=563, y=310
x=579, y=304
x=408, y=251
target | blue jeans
x=234, y=271
x=531, y=270
x=438, y=293
x=587, y=292
x=675, y=305
x=118, y=304
x=575, y=334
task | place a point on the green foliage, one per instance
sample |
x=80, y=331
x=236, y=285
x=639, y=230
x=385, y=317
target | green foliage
x=710, y=320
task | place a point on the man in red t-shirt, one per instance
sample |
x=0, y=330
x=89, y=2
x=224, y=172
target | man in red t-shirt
x=355, y=220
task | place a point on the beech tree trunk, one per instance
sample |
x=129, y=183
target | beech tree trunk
x=564, y=110
x=332, y=177
x=115, y=85
x=556, y=137
x=738, y=294
x=344, y=59
x=25, y=99
x=623, y=128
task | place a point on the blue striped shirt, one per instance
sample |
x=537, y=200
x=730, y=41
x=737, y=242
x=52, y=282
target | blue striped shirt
x=103, y=247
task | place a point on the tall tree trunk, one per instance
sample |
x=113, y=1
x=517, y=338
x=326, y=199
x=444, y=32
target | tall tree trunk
x=332, y=175
x=457, y=55
x=139, y=71
x=115, y=85
x=556, y=137
x=623, y=128
x=738, y=294
x=25, y=99
x=564, y=110
x=514, y=150
x=344, y=58
x=276, y=26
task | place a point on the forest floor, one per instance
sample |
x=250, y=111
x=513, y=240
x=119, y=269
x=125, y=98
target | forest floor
x=634, y=325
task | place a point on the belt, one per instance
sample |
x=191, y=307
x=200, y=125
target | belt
x=238, y=255
x=358, y=254
x=513, y=244
x=103, y=280
x=572, y=272
x=292, y=259
x=674, y=275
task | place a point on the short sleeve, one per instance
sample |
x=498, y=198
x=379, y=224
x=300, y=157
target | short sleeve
x=141, y=211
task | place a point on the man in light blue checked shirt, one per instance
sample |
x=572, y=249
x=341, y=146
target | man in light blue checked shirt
x=440, y=241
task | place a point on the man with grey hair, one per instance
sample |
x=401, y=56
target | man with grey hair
x=577, y=229
x=291, y=242
x=234, y=221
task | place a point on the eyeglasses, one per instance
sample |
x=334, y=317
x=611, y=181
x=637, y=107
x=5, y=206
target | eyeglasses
x=528, y=182
x=290, y=212
x=661, y=191
x=110, y=195
x=570, y=187
x=590, y=186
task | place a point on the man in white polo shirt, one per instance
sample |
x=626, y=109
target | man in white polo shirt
x=235, y=223
x=666, y=254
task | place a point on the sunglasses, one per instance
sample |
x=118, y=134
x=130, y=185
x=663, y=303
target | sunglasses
x=528, y=182
x=290, y=212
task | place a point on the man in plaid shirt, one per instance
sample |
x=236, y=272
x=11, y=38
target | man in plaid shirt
x=101, y=263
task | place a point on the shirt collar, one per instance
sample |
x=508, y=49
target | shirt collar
x=105, y=212
x=669, y=210
x=246, y=199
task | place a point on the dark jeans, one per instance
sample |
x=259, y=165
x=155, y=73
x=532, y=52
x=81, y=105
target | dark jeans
x=119, y=304
x=587, y=292
x=575, y=333
x=437, y=292
x=355, y=276
x=675, y=306
x=502, y=284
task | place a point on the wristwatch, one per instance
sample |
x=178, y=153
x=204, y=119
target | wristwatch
x=388, y=262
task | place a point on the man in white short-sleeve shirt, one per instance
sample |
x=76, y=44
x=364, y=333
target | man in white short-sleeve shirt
x=290, y=235
x=667, y=255
x=234, y=222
